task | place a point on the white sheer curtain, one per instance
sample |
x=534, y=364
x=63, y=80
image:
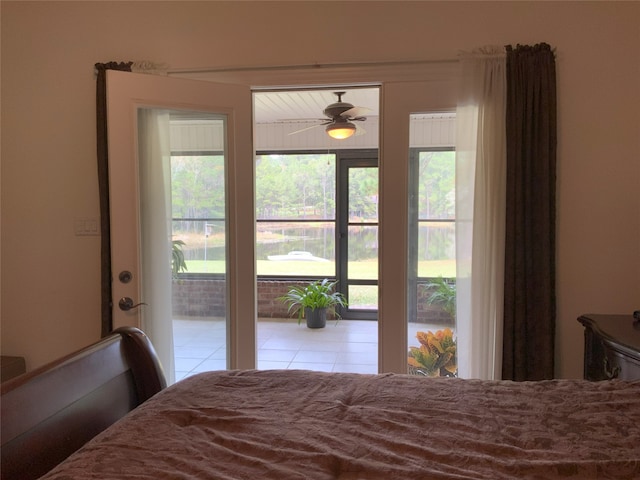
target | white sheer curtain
x=155, y=223
x=480, y=212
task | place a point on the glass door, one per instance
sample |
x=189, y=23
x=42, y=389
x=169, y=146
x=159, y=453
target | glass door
x=150, y=120
x=199, y=241
x=358, y=234
x=398, y=268
x=432, y=252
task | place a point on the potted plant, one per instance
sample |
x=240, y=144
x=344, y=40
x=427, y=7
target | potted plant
x=177, y=258
x=312, y=301
x=444, y=295
x=436, y=355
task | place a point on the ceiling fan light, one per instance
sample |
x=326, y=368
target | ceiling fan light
x=341, y=130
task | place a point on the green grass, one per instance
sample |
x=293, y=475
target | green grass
x=365, y=270
x=205, y=266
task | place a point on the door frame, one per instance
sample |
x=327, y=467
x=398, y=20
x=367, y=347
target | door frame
x=404, y=89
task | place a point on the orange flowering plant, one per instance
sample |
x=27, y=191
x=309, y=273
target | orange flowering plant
x=436, y=355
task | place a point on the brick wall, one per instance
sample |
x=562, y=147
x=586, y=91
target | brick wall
x=206, y=297
x=199, y=297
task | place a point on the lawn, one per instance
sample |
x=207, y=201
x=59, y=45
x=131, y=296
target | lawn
x=366, y=270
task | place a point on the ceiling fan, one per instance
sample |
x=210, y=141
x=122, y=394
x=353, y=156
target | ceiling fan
x=339, y=119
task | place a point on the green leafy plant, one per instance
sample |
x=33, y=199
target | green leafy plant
x=444, y=295
x=436, y=355
x=315, y=295
x=177, y=258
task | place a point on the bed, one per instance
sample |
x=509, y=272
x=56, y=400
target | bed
x=50, y=412
x=296, y=424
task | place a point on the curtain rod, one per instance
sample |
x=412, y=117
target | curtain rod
x=309, y=66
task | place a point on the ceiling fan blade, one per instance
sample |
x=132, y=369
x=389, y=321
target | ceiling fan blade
x=310, y=119
x=359, y=131
x=309, y=128
x=355, y=112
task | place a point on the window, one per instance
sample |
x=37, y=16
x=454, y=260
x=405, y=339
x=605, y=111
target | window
x=296, y=215
x=436, y=212
x=198, y=210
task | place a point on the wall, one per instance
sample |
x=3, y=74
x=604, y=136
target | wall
x=50, y=276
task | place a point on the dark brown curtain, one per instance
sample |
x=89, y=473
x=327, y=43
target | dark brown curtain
x=103, y=189
x=529, y=291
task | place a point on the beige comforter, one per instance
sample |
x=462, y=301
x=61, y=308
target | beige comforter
x=311, y=425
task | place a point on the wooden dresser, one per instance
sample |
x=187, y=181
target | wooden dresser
x=611, y=347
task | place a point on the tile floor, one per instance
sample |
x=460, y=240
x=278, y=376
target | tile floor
x=345, y=346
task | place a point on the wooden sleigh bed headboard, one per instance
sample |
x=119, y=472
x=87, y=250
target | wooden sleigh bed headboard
x=49, y=413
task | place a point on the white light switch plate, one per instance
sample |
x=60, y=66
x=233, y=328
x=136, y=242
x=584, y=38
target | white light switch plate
x=86, y=226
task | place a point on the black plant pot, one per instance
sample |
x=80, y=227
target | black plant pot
x=316, y=318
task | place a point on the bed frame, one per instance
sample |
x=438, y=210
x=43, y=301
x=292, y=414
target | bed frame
x=49, y=413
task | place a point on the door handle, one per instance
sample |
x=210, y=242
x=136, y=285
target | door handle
x=127, y=303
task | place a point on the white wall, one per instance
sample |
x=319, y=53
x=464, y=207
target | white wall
x=50, y=276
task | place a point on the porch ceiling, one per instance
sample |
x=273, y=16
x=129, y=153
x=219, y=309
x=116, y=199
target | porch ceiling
x=284, y=106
